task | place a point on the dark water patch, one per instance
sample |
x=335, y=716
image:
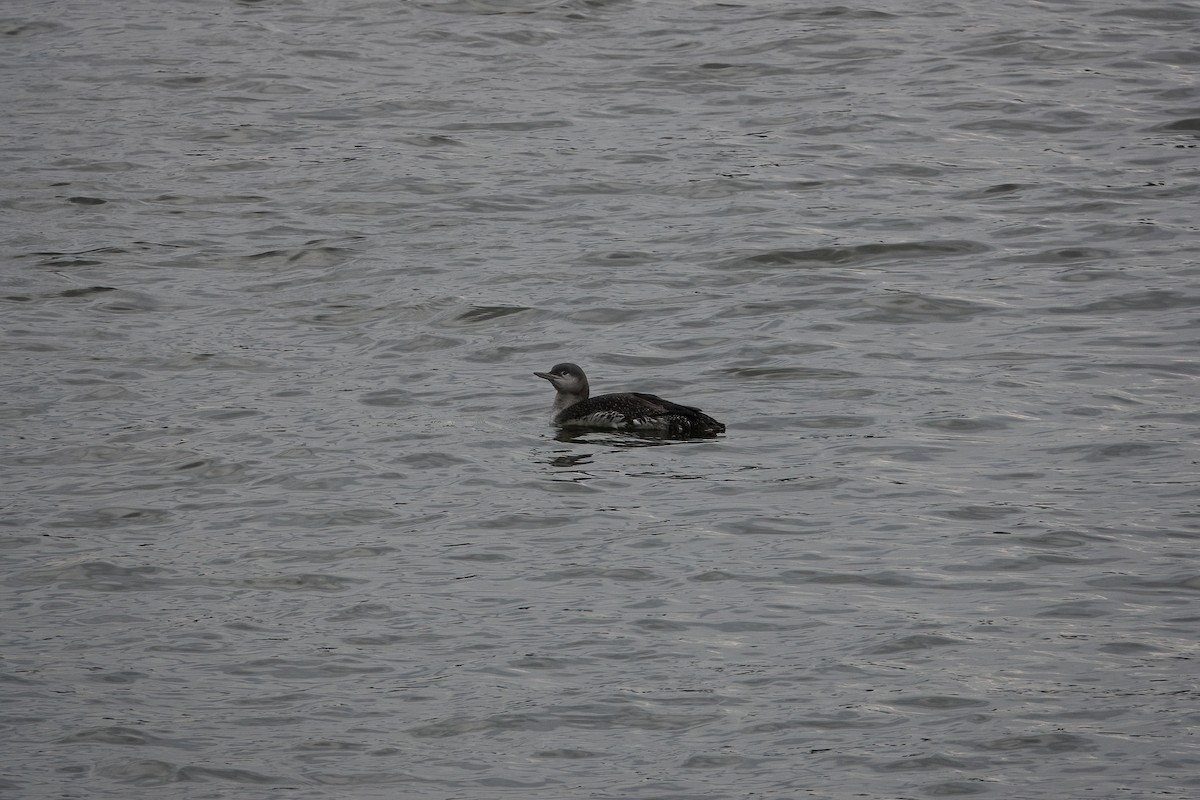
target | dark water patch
x=532, y=662
x=789, y=374
x=183, y=81
x=720, y=761
x=1110, y=451
x=85, y=291
x=1046, y=744
x=1013, y=356
x=209, y=472
x=18, y=29
x=619, y=574
x=834, y=422
x=998, y=190
x=431, y=460
x=928, y=763
x=961, y=788
x=187, y=362
x=713, y=575
x=366, y=610
x=1053, y=540
x=1179, y=584
x=315, y=253
x=111, y=517
x=1088, y=275
x=629, y=258
x=977, y=513
x=513, y=126
x=390, y=640
x=387, y=398
x=323, y=556
x=961, y=423
x=939, y=702
x=899, y=307
x=1159, y=12
x=1023, y=563
x=501, y=204
x=227, y=414
x=329, y=667
x=1190, y=124
x=1153, y=367
x=121, y=678
x=881, y=578
x=611, y=315
x=421, y=343
x=346, y=313
x=617, y=717
x=243, y=777
x=905, y=453
x=770, y=308
x=1152, y=300
x=1076, y=609
x=481, y=557
x=1129, y=648
x=486, y=316
x=914, y=642
x=1062, y=539
x=596, y=187
x=781, y=350
x=859, y=254
x=314, y=518
x=365, y=778
x=102, y=390
x=1025, y=125
x=90, y=454
x=567, y=754
x=329, y=746
x=825, y=12
x=518, y=522
x=312, y=582
x=759, y=526
x=1065, y=255
x=431, y=140
x=88, y=376
x=196, y=644
x=120, y=736
x=98, y=576
x=846, y=721
x=126, y=301
x=141, y=772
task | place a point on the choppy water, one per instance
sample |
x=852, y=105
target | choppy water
x=284, y=518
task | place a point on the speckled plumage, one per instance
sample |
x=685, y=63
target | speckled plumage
x=631, y=411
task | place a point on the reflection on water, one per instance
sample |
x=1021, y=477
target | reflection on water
x=570, y=461
x=626, y=438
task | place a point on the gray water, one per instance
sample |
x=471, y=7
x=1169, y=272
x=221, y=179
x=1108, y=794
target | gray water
x=284, y=516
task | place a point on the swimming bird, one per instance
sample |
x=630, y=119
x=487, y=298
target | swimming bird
x=630, y=411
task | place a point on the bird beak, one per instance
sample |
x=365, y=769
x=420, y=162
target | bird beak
x=545, y=375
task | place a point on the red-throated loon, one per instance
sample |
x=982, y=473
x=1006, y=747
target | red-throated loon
x=631, y=411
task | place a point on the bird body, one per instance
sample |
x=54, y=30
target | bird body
x=629, y=411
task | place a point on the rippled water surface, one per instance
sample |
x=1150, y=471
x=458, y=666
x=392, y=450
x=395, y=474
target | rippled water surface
x=283, y=514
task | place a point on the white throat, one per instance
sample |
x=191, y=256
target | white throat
x=563, y=401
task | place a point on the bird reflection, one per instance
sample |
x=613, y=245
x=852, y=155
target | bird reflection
x=570, y=461
x=619, y=439
x=608, y=441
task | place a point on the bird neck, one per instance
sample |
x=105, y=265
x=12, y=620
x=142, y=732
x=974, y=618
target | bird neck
x=564, y=400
